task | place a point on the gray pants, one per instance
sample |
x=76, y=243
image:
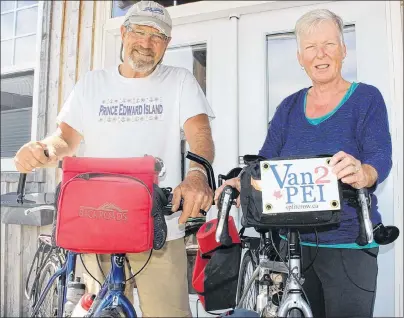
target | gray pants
x=341, y=282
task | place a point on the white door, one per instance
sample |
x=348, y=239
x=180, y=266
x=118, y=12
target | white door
x=206, y=49
x=201, y=48
x=269, y=72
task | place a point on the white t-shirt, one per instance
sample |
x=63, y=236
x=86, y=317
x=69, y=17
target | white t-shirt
x=130, y=117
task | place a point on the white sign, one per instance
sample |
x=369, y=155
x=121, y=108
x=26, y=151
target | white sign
x=299, y=185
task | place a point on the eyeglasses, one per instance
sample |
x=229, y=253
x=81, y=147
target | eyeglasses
x=156, y=38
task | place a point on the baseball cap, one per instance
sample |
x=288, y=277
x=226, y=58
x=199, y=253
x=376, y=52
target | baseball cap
x=150, y=13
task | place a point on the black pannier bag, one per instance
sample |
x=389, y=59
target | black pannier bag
x=217, y=266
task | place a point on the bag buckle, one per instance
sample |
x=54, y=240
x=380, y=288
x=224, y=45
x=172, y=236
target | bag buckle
x=160, y=167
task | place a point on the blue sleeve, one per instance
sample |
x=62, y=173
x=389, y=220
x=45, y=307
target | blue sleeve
x=375, y=139
x=274, y=140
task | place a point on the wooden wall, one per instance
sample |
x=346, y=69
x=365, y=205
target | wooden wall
x=66, y=54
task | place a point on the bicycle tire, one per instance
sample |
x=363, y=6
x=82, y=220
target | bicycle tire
x=51, y=266
x=295, y=313
x=243, y=280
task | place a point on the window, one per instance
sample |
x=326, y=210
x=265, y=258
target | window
x=18, y=32
x=192, y=57
x=285, y=75
x=119, y=8
x=19, y=22
x=16, y=111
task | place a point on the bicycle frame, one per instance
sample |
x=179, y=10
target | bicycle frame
x=112, y=290
x=110, y=295
x=293, y=291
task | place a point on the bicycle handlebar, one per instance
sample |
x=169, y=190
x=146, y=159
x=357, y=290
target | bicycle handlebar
x=210, y=176
x=189, y=155
x=22, y=182
x=226, y=199
x=365, y=224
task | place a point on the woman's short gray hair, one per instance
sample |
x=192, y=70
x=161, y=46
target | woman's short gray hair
x=312, y=19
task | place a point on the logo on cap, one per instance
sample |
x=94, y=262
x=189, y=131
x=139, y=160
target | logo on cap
x=154, y=10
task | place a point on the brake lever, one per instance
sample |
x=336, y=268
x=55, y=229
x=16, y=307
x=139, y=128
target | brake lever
x=226, y=200
x=365, y=224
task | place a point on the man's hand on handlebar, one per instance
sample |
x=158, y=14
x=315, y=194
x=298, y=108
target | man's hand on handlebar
x=235, y=183
x=34, y=155
x=196, y=194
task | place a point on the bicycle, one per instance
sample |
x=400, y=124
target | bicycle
x=47, y=260
x=276, y=281
x=110, y=300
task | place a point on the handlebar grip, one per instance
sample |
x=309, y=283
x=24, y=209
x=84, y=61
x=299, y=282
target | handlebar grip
x=21, y=188
x=169, y=206
x=22, y=182
x=224, y=204
x=365, y=224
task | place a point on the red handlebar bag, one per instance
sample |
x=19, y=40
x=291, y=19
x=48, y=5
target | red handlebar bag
x=105, y=205
x=216, y=267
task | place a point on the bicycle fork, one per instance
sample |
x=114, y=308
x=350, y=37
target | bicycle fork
x=293, y=291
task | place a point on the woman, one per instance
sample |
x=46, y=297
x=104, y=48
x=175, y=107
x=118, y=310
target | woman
x=348, y=120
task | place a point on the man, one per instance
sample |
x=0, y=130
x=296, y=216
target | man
x=137, y=108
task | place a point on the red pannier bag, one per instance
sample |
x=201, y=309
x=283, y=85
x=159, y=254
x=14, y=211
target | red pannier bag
x=216, y=267
x=105, y=205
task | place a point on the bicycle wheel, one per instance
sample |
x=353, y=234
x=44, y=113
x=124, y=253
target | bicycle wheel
x=295, y=313
x=247, y=269
x=49, y=307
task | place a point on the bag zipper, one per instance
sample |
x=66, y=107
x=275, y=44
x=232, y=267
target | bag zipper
x=90, y=175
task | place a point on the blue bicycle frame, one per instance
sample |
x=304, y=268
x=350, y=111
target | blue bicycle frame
x=111, y=294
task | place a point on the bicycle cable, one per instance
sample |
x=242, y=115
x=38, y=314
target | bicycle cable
x=315, y=256
x=289, y=271
x=99, y=266
x=147, y=261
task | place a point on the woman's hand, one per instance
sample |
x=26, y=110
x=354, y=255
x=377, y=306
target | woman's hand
x=351, y=171
x=235, y=183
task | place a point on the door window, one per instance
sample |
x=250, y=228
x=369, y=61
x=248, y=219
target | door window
x=285, y=76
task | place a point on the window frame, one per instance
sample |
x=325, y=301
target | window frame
x=7, y=163
x=107, y=27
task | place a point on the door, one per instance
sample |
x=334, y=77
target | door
x=200, y=48
x=205, y=49
x=269, y=72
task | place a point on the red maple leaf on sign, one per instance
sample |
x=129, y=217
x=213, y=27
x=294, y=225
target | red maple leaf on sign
x=277, y=194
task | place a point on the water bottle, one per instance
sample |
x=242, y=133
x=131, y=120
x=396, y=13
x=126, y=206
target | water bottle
x=75, y=290
x=83, y=305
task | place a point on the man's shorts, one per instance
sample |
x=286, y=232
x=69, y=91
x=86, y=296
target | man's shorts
x=162, y=285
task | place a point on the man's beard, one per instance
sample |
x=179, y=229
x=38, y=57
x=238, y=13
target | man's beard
x=139, y=64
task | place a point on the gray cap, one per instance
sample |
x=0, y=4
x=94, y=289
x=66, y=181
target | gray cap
x=150, y=13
